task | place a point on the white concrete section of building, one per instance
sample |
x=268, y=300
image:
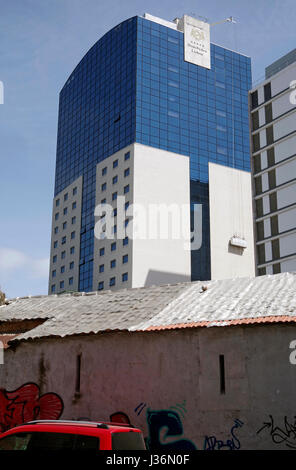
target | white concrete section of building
x=65, y=239
x=287, y=245
x=155, y=19
x=230, y=215
x=276, y=171
x=161, y=177
x=284, y=126
x=289, y=265
x=287, y=220
x=285, y=149
x=154, y=177
x=112, y=256
x=267, y=228
x=286, y=196
x=286, y=172
x=281, y=105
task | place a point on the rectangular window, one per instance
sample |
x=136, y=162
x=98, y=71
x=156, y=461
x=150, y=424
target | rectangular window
x=62, y=285
x=127, y=156
x=72, y=235
x=55, y=245
x=65, y=210
x=64, y=239
x=113, y=246
x=63, y=254
x=268, y=113
x=64, y=225
x=101, y=268
x=113, y=264
x=222, y=374
x=73, y=220
x=71, y=281
x=56, y=229
x=101, y=285
x=74, y=205
x=103, y=201
x=71, y=265
x=269, y=135
x=74, y=191
x=126, y=205
x=125, y=241
x=261, y=253
x=114, y=179
x=124, y=277
x=72, y=250
x=102, y=251
x=112, y=281
x=254, y=99
x=114, y=196
x=104, y=171
x=66, y=197
x=125, y=259
x=104, y=187
x=115, y=163
x=62, y=269
x=126, y=172
x=267, y=91
x=54, y=273
x=57, y=202
x=256, y=142
x=270, y=156
x=126, y=189
x=56, y=216
x=255, y=120
x=115, y=212
x=53, y=288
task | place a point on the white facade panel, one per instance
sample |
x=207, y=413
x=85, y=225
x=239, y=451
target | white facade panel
x=288, y=245
x=230, y=215
x=267, y=228
x=261, y=117
x=266, y=205
x=288, y=266
x=286, y=196
x=268, y=251
x=284, y=126
x=287, y=220
x=161, y=177
x=264, y=162
x=260, y=95
x=262, y=138
x=281, y=105
x=265, y=184
x=285, y=149
x=286, y=172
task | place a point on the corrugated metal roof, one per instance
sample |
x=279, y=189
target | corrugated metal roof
x=198, y=304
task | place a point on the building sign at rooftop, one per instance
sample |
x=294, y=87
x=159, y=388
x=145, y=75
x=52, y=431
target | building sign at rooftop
x=197, y=42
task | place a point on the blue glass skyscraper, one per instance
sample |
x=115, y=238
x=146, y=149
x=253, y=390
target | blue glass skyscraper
x=133, y=85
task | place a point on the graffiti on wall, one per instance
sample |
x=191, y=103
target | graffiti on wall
x=212, y=443
x=26, y=404
x=285, y=434
x=165, y=431
x=165, y=428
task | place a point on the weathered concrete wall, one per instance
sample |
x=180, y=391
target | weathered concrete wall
x=2, y=298
x=168, y=383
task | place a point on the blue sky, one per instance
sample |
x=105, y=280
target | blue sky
x=40, y=44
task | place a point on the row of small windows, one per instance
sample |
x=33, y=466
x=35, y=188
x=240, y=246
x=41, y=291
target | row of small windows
x=115, y=163
x=113, y=247
x=63, y=254
x=62, y=284
x=114, y=195
x=113, y=263
x=112, y=281
x=74, y=192
x=65, y=211
x=54, y=272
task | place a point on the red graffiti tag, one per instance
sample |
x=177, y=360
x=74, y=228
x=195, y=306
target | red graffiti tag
x=26, y=404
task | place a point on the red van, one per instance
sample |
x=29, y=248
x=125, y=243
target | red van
x=72, y=435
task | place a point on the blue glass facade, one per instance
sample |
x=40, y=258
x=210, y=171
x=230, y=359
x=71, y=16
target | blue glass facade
x=133, y=85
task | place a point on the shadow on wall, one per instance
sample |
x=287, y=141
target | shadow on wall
x=156, y=278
